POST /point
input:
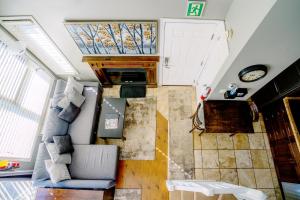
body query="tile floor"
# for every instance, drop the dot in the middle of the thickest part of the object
(244, 159)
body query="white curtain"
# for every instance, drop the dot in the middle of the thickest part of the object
(24, 89)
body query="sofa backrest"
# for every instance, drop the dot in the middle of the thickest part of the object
(82, 129)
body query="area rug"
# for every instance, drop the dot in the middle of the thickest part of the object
(181, 156)
(128, 194)
(139, 130)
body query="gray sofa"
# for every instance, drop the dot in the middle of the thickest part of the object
(93, 166)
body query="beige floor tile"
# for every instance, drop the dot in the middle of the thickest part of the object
(278, 194)
(259, 159)
(263, 178)
(241, 141)
(229, 176)
(197, 141)
(256, 141)
(262, 123)
(227, 159)
(274, 178)
(224, 141)
(115, 91)
(209, 141)
(199, 174)
(198, 158)
(257, 127)
(211, 174)
(246, 177)
(210, 159)
(266, 140)
(270, 193)
(270, 158)
(243, 159)
(106, 92)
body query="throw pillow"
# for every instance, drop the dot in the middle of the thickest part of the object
(72, 83)
(56, 157)
(57, 171)
(74, 97)
(69, 113)
(63, 144)
(53, 125)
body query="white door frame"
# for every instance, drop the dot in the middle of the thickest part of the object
(162, 26)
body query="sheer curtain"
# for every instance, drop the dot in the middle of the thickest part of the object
(24, 90)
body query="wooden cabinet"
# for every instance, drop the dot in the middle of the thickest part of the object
(282, 142)
(106, 68)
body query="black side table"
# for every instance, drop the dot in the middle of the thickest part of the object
(111, 122)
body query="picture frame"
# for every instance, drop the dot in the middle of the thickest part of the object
(115, 37)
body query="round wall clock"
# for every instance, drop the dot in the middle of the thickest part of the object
(253, 73)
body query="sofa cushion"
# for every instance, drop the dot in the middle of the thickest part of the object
(40, 173)
(57, 171)
(77, 184)
(94, 162)
(73, 84)
(53, 125)
(81, 129)
(69, 113)
(56, 157)
(58, 92)
(63, 144)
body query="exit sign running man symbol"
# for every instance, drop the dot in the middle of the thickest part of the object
(195, 8)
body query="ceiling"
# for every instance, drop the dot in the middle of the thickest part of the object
(51, 15)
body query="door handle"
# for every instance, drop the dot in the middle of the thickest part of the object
(166, 61)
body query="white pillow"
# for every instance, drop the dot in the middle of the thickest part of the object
(73, 84)
(56, 157)
(57, 171)
(74, 97)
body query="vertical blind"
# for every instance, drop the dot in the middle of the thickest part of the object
(24, 89)
(17, 190)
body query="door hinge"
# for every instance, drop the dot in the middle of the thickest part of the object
(212, 36)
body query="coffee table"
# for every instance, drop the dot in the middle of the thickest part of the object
(69, 194)
(111, 122)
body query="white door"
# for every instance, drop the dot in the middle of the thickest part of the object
(214, 61)
(185, 47)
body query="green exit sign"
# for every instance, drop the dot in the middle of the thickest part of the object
(195, 8)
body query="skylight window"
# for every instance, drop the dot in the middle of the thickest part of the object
(27, 30)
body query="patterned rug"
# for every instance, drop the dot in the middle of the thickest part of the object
(139, 130)
(128, 194)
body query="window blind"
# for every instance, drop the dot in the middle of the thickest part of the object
(24, 89)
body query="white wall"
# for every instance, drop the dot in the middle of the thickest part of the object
(275, 42)
(51, 14)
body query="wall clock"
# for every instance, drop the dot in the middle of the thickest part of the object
(253, 73)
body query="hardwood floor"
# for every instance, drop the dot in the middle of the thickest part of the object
(149, 175)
